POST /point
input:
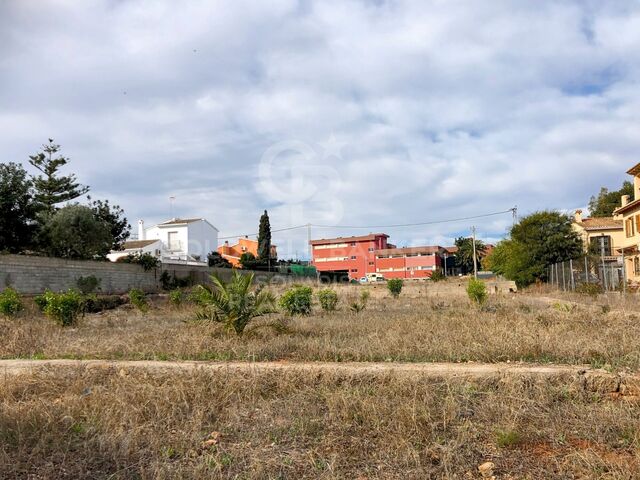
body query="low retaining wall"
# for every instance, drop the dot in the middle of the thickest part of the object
(33, 275)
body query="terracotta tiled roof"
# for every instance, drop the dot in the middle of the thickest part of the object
(406, 250)
(598, 223)
(362, 238)
(451, 249)
(133, 244)
(635, 170)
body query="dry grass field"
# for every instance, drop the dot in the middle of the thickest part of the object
(417, 327)
(106, 423)
(111, 422)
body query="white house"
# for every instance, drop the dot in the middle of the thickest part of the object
(179, 240)
(137, 247)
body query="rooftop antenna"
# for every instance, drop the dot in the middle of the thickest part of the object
(171, 199)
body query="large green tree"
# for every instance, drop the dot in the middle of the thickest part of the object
(113, 216)
(606, 202)
(264, 238)
(464, 257)
(52, 188)
(74, 231)
(17, 209)
(537, 241)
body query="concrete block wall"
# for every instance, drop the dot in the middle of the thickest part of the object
(33, 275)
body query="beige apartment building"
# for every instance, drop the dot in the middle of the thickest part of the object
(629, 212)
(601, 233)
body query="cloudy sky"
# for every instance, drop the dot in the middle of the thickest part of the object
(358, 113)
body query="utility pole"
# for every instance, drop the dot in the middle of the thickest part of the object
(171, 199)
(309, 241)
(475, 258)
(514, 210)
(604, 271)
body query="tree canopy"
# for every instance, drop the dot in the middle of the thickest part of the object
(114, 217)
(75, 232)
(17, 207)
(537, 241)
(606, 202)
(464, 257)
(264, 238)
(28, 205)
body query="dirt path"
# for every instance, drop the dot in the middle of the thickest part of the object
(577, 376)
(428, 369)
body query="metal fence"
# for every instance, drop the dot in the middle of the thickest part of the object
(606, 272)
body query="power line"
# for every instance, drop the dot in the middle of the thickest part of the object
(255, 234)
(511, 210)
(434, 222)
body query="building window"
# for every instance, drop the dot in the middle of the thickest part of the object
(629, 227)
(353, 257)
(371, 249)
(370, 263)
(174, 243)
(353, 270)
(636, 265)
(597, 244)
(353, 244)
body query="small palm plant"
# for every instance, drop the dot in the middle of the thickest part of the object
(233, 303)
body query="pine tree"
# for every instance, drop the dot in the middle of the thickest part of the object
(51, 188)
(264, 238)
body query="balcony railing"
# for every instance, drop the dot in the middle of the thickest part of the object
(175, 246)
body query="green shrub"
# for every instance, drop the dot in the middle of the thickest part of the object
(138, 300)
(328, 299)
(64, 308)
(438, 276)
(395, 286)
(176, 297)
(10, 302)
(297, 300)
(563, 307)
(171, 282)
(89, 284)
(590, 289)
(41, 302)
(95, 304)
(477, 291)
(145, 260)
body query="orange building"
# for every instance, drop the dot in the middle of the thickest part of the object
(245, 245)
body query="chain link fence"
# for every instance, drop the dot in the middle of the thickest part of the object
(608, 273)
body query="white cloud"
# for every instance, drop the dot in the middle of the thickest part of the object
(445, 109)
